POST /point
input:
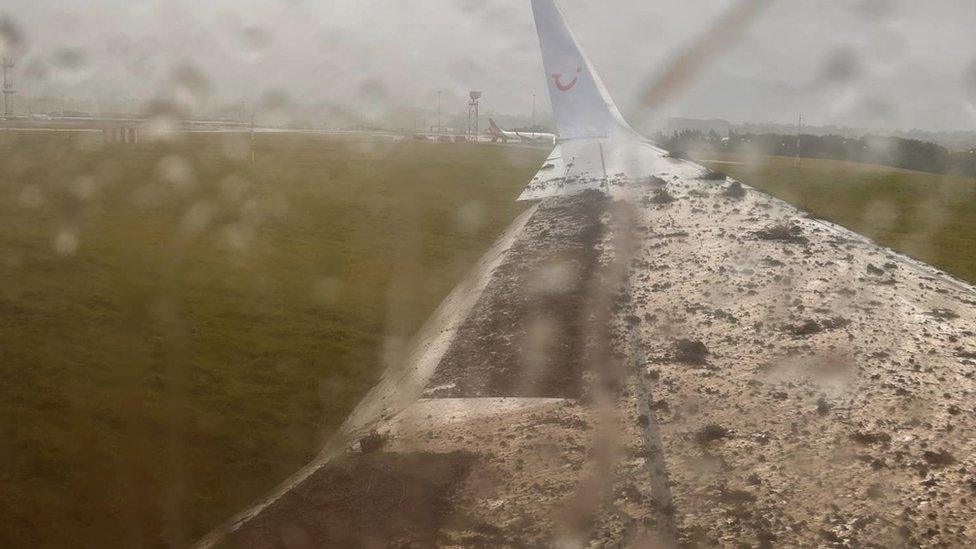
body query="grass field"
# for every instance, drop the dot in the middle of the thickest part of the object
(926, 216)
(180, 329)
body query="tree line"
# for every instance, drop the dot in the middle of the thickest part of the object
(896, 152)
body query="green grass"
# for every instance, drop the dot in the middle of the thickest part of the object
(926, 216)
(181, 329)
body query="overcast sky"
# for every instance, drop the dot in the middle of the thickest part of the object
(871, 63)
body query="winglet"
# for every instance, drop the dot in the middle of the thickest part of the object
(596, 149)
(580, 102)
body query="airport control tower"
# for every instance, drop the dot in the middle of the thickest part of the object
(473, 114)
(7, 64)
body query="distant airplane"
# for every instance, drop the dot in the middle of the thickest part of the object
(497, 134)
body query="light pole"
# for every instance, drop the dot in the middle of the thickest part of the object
(439, 93)
(533, 113)
(799, 133)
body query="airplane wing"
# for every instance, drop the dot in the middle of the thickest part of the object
(649, 359)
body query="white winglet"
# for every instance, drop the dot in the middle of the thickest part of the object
(596, 149)
(580, 102)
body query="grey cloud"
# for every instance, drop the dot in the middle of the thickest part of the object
(326, 51)
(11, 37)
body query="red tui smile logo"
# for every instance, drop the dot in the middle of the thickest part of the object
(566, 87)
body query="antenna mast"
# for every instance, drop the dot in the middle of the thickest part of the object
(474, 114)
(7, 63)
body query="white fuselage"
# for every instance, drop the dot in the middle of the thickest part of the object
(547, 138)
(527, 137)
